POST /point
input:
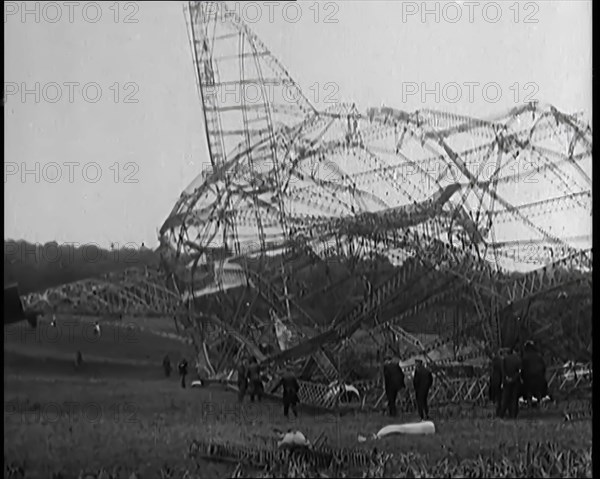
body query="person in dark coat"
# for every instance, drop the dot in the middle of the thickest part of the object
(422, 381)
(367, 287)
(533, 374)
(182, 367)
(242, 379)
(393, 379)
(255, 385)
(495, 386)
(78, 360)
(290, 392)
(167, 365)
(511, 384)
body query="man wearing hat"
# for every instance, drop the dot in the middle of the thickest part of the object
(290, 391)
(255, 385)
(533, 374)
(422, 381)
(511, 384)
(496, 375)
(393, 379)
(242, 379)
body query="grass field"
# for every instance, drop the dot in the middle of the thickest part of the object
(119, 409)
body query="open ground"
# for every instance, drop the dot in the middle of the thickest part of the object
(120, 410)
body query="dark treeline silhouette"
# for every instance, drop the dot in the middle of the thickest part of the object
(36, 267)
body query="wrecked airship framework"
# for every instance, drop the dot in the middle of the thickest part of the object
(318, 236)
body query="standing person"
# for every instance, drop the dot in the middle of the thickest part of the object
(96, 329)
(368, 288)
(290, 392)
(182, 366)
(495, 386)
(78, 359)
(393, 379)
(533, 375)
(167, 365)
(242, 379)
(511, 384)
(422, 381)
(255, 386)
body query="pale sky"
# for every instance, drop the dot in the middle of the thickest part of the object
(371, 55)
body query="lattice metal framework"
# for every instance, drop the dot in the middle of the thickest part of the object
(452, 202)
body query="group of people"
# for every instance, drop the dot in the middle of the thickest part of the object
(182, 368)
(250, 380)
(394, 382)
(513, 375)
(517, 374)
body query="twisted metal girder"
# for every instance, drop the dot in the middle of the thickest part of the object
(380, 194)
(133, 293)
(412, 187)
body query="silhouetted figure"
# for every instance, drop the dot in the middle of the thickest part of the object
(167, 365)
(255, 385)
(290, 392)
(96, 329)
(78, 360)
(53, 322)
(368, 288)
(393, 379)
(511, 384)
(422, 381)
(242, 379)
(533, 375)
(182, 367)
(495, 384)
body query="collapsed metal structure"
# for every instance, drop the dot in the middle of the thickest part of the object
(433, 211)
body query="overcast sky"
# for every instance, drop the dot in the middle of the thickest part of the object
(371, 54)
